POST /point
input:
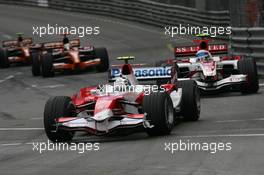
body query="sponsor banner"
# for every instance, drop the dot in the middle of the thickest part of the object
(144, 73)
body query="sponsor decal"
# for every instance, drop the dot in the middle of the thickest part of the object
(212, 48)
(145, 73)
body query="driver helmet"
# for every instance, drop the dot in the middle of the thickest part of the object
(19, 39)
(67, 46)
(120, 84)
(203, 55)
(66, 43)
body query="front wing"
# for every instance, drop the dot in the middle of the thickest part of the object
(229, 81)
(106, 126)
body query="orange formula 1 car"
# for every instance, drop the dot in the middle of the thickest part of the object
(17, 51)
(68, 55)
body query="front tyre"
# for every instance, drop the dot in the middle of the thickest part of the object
(56, 107)
(47, 65)
(103, 55)
(247, 66)
(160, 113)
(4, 61)
(36, 64)
(190, 103)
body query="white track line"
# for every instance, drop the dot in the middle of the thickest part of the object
(189, 136)
(20, 129)
(262, 84)
(11, 144)
(52, 86)
(36, 118)
(7, 78)
(16, 144)
(47, 86)
(223, 135)
(29, 143)
(230, 121)
(10, 77)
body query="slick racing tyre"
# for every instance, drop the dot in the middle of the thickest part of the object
(103, 55)
(36, 64)
(160, 113)
(190, 103)
(4, 61)
(160, 82)
(47, 65)
(60, 106)
(247, 66)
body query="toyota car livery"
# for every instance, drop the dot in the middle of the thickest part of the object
(123, 106)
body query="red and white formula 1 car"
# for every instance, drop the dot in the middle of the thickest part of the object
(212, 68)
(124, 105)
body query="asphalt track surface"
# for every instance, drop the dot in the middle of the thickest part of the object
(228, 117)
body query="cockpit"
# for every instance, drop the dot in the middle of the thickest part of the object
(203, 56)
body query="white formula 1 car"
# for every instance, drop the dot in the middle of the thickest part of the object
(212, 68)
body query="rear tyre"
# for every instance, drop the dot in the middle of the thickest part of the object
(36, 64)
(247, 66)
(4, 61)
(190, 103)
(160, 113)
(56, 107)
(103, 55)
(47, 65)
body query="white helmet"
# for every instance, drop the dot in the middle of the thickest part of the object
(67, 46)
(121, 84)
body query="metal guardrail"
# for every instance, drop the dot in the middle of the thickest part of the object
(144, 11)
(244, 41)
(250, 43)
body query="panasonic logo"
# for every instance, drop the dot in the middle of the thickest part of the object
(146, 73)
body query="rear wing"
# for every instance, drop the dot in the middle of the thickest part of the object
(142, 73)
(53, 45)
(75, 43)
(191, 50)
(14, 43)
(59, 44)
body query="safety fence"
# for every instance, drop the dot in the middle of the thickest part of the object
(250, 43)
(244, 41)
(144, 11)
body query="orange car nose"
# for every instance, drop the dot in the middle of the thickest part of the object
(75, 56)
(26, 52)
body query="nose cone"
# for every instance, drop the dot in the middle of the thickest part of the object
(26, 52)
(103, 108)
(209, 69)
(75, 56)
